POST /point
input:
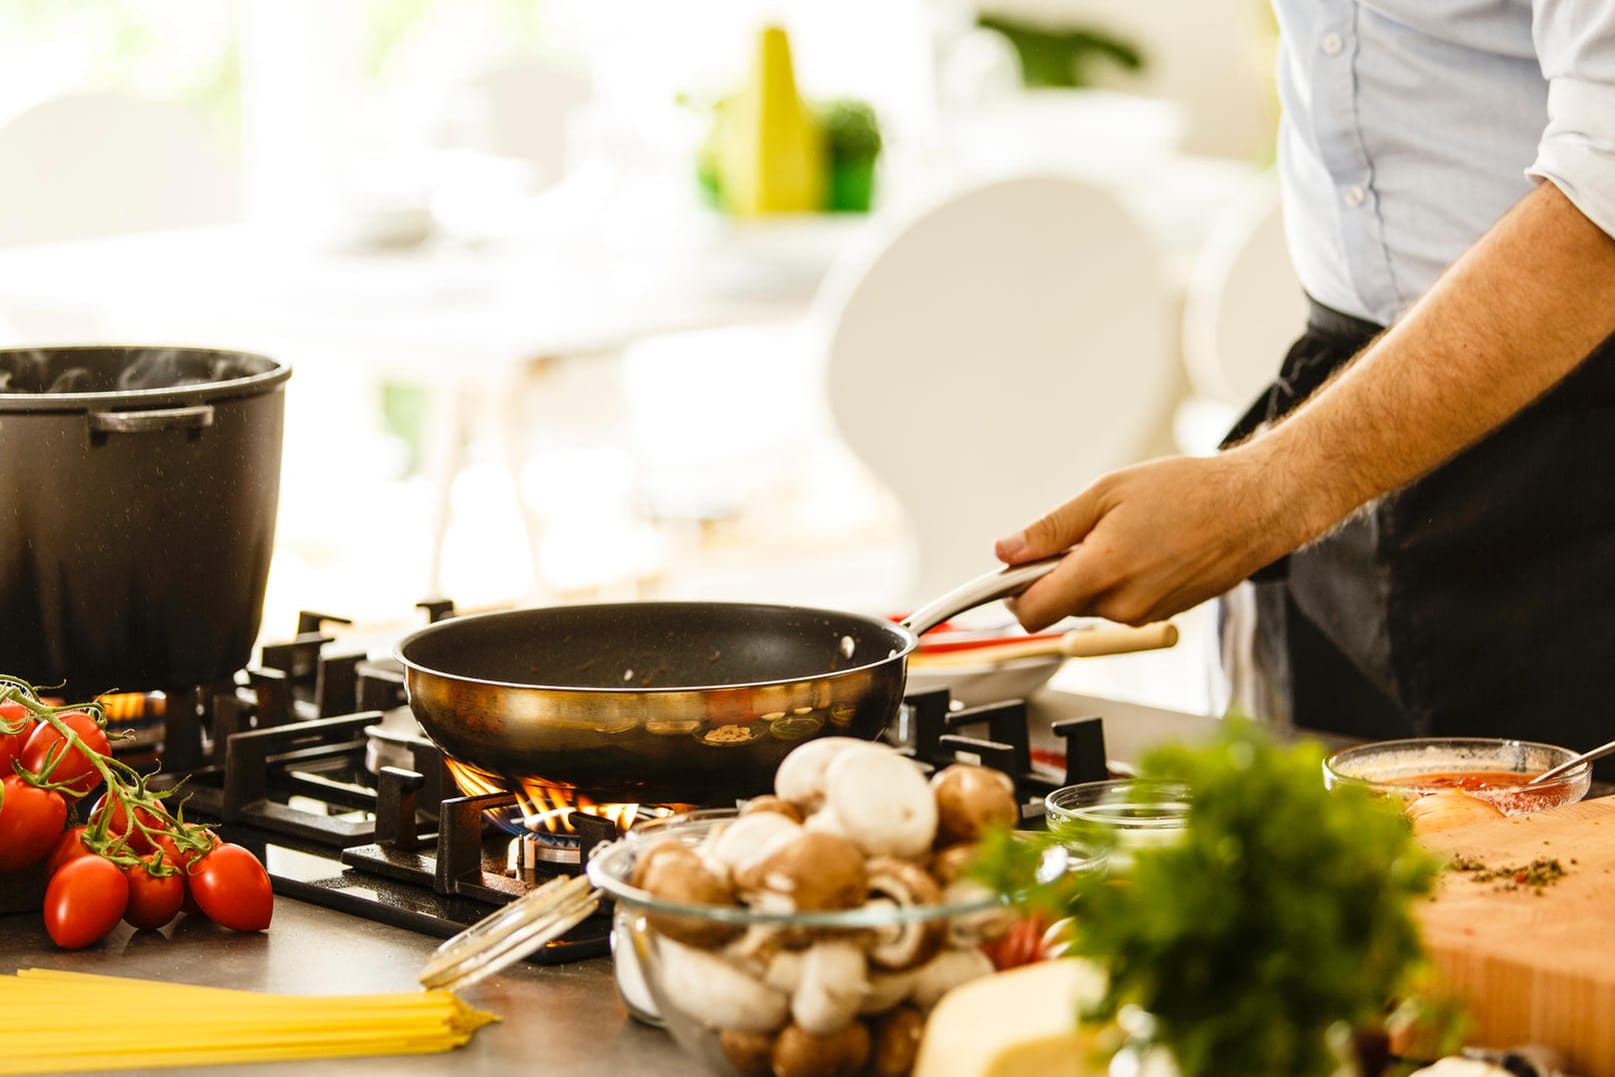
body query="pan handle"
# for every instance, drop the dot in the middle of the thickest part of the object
(1000, 583)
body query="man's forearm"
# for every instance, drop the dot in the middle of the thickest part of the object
(1511, 318)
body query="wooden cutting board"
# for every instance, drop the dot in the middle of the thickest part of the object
(1535, 968)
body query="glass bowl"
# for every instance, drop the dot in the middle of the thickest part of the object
(735, 976)
(1133, 813)
(1492, 769)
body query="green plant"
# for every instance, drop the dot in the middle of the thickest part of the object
(851, 130)
(1062, 57)
(1277, 927)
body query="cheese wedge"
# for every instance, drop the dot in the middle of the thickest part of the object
(1019, 1023)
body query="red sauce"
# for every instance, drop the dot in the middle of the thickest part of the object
(1469, 780)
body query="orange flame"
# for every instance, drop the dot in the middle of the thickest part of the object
(543, 805)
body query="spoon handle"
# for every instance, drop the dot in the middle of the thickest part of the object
(1571, 764)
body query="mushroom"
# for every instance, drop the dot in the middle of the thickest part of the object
(971, 799)
(748, 835)
(770, 803)
(833, 985)
(805, 872)
(800, 777)
(750, 1053)
(946, 971)
(881, 800)
(986, 923)
(716, 993)
(886, 989)
(784, 970)
(950, 862)
(676, 873)
(896, 1042)
(903, 944)
(799, 1053)
(826, 822)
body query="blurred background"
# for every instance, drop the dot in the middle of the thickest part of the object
(800, 301)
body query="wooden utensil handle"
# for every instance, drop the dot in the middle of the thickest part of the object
(1077, 643)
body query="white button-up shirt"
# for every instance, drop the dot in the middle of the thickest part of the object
(1410, 126)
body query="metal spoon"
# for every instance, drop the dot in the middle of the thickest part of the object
(1571, 764)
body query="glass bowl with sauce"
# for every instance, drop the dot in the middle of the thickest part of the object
(1492, 769)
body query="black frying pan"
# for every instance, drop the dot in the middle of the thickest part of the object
(664, 702)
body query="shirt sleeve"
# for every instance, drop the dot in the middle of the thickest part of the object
(1575, 45)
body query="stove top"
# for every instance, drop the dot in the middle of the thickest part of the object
(313, 761)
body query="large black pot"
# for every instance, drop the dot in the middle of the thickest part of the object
(138, 489)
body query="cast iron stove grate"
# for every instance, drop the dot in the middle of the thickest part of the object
(296, 764)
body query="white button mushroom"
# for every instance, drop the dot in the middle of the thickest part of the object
(716, 993)
(744, 838)
(946, 971)
(800, 777)
(833, 985)
(882, 801)
(886, 989)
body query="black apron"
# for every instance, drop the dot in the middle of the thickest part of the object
(1478, 601)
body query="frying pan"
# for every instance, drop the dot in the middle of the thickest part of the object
(665, 702)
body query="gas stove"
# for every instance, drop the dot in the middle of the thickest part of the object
(313, 761)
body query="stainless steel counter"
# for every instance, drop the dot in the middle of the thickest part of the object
(563, 1019)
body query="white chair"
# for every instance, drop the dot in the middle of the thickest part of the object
(1242, 308)
(998, 353)
(91, 164)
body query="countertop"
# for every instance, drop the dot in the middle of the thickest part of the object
(563, 1019)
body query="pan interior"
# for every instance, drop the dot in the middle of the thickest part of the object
(646, 646)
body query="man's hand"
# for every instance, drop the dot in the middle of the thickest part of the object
(1153, 540)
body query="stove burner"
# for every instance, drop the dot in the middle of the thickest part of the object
(314, 762)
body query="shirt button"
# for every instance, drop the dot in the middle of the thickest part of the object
(1355, 195)
(1332, 44)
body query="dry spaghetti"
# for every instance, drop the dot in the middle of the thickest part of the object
(181, 1025)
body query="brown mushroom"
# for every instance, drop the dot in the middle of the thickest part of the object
(750, 1053)
(676, 872)
(904, 944)
(951, 861)
(799, 1053)
(768, 802)
(970, 800)
(896, 1042)
(807, 872)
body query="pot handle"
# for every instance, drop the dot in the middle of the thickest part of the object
(1000, 583)
(196, 417)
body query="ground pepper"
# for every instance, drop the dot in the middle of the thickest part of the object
(1537, 876)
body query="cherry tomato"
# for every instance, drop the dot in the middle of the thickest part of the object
(153, 899)
(30, 822)
(84, 901)
(1022, 944)
(70, 846)
(139, 843)
(11, 744)
(232, 888)
(45, 742)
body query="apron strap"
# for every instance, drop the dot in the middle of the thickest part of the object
(1330, 341)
